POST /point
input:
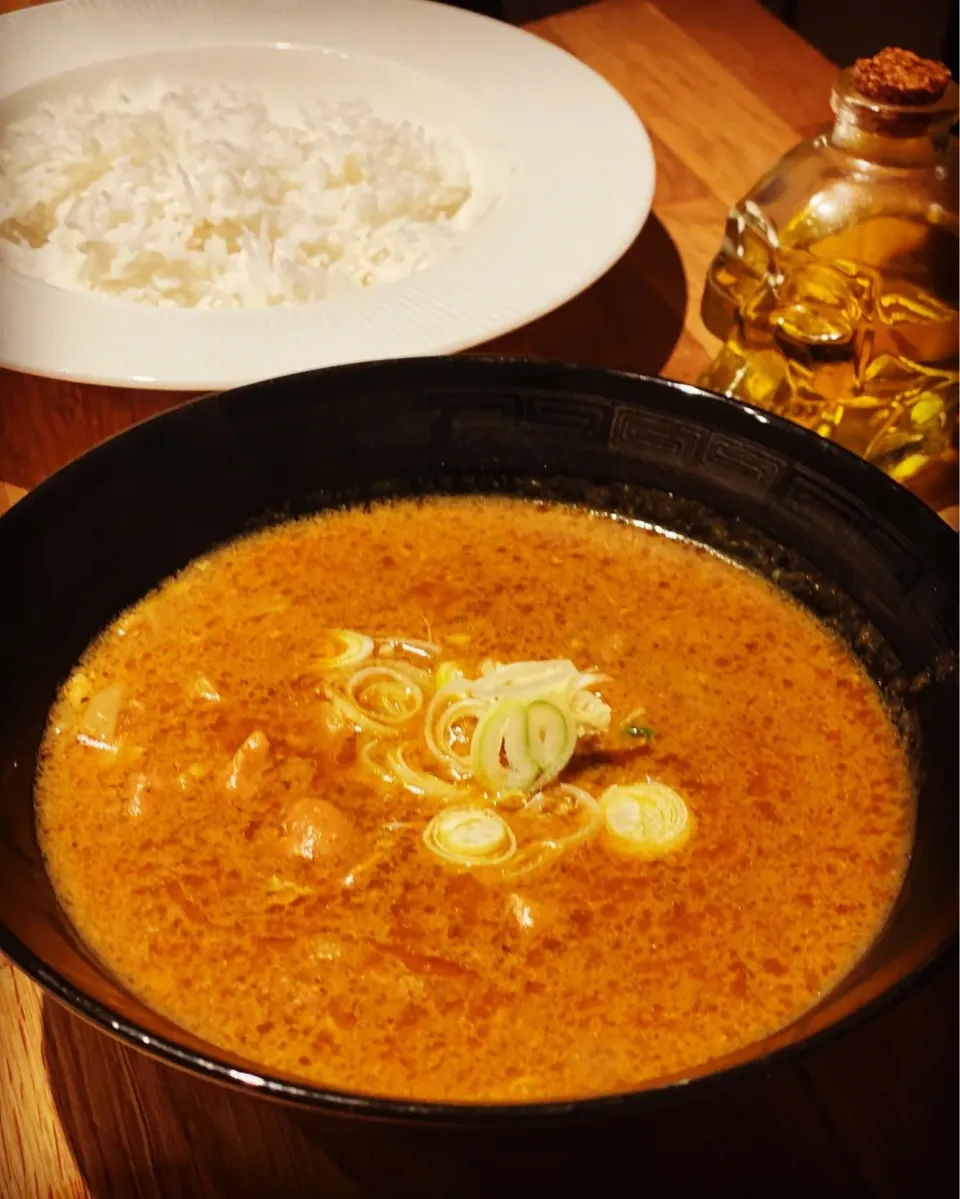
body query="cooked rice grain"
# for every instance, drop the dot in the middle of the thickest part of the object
(200, 196)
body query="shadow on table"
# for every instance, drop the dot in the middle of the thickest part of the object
(624, 321)
(631, 319)
(140, 1129)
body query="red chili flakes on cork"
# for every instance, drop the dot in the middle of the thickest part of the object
(900, 77)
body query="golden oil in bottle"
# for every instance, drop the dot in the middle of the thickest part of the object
(836, 285)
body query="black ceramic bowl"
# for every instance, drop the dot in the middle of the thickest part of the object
(859, 551)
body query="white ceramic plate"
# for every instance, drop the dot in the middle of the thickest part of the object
(561, 166)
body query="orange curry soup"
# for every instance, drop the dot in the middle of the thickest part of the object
(306, 800)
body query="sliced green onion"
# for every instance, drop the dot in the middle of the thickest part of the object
(448, 673)
(398, 669)
(501, 755)
(551, 737)
(528, 717)
(590, 712)
(591, 679)
(525, 680)
(353, 715)
(444, 712)
(396, 770)
(420, 782)
(518, 745)
(582, 800)
(408, 645)
(470, 836)
(645, 820)
(447, 736)
(369, 755)
(386, 693)
(557, 680)
(356, 648)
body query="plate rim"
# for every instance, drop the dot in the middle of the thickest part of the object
(58, 334)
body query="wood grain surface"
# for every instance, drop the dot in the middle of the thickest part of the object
(723, 89)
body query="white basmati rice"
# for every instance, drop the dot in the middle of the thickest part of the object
(201, 196)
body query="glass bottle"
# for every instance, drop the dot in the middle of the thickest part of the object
(835, 287)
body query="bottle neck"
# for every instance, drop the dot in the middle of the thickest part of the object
(891, 134)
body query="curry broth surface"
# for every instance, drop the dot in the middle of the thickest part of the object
(411, 978)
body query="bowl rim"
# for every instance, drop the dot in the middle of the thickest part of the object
(811, 450)
(386, 1109)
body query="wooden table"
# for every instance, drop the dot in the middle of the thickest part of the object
(723, 89)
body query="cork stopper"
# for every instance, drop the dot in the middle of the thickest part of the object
(900, 77)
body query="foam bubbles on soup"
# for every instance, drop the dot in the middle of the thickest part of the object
(216, 831)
